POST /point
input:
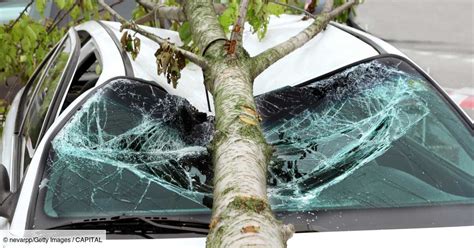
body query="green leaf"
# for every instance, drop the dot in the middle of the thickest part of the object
(138, 12)
(258, 5)
(75, 12)
(12, 51)
(8, 59)
(3, 78)
(16, 33)
(228, 17)
(69, 4)
(87, 15)
(25, 43)
(274, 9)
(40, 5)
(185, 33)
(23, 22)
(106, 16)
(98, 69)
(31, 34)
(88, 5)
(60, 3)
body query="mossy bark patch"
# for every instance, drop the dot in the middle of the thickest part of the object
(250, 203)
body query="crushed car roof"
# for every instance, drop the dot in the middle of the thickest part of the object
(330, 50)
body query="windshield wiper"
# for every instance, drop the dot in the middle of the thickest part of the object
(135, 224)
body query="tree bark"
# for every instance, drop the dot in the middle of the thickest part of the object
(241, 213)
(242, 216)
(205, 26)
(162, 11)
(171, 13)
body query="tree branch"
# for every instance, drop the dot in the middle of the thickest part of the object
(170, 13)
(237, 30)
(328, 6)
(56, 22)
(337, 11)
(196, 59)
(267, 58)
(162, 11)
(205, 27)
(19, 16)
(294, 7)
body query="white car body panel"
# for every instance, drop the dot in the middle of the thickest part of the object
(112, 65)
(7, 135)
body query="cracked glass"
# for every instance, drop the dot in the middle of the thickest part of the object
(374, 135)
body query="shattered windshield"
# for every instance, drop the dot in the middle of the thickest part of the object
(374, 135)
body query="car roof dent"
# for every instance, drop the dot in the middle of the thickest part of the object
(334, 48)
(330, 50)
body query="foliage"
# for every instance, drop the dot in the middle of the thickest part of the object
(3, 112)
(258, 15)
(344, 17)
(130, 44)
(24, 42)
(169, 62)
(3, 107)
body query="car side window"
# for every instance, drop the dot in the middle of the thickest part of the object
(88, 70)
(41, 99)
(36, 78)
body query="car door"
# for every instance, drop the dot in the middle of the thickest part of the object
(44, 98)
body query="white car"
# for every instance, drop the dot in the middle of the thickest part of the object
(364, 140)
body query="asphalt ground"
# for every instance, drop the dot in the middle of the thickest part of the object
(438, 35)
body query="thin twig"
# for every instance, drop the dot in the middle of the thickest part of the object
(237, 30)
(21, 14)
(102, 9)
(57, 16)
(50, 28)
(198, 60)
(147, 13)
(295, 8)
(164, 12)
(147, 5)
(337, 11)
